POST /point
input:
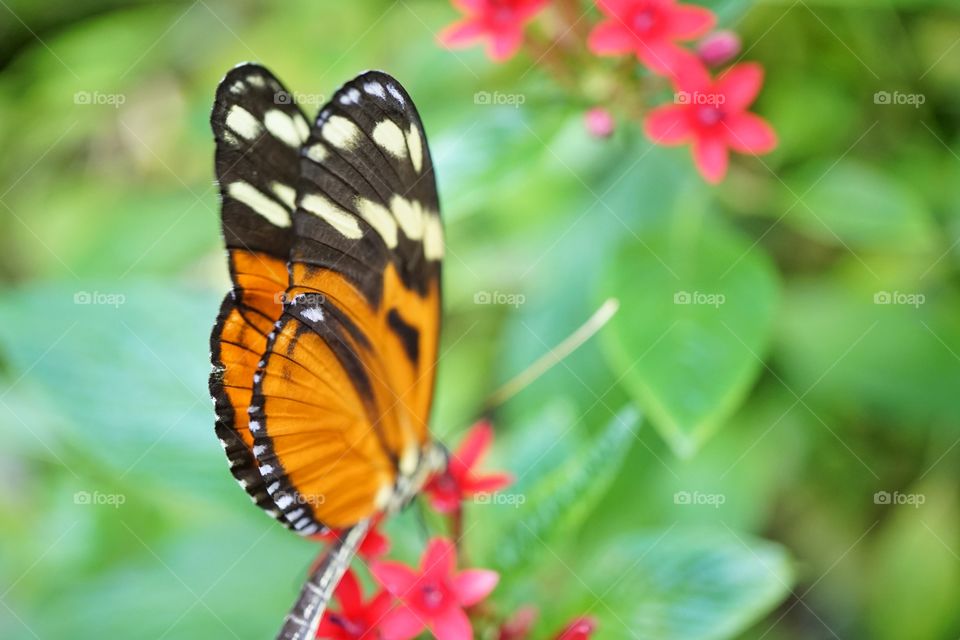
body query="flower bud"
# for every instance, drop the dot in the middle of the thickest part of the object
(718, 48)
(599, 122)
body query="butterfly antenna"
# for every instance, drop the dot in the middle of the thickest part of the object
(556, 355)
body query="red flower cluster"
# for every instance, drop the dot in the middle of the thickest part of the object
(708, 113)
(436, 595)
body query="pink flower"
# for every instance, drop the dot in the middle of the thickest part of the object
(519, 625)
(599, 122)
(434, 597)
(579, 629)
(501, 21)
(718, 48)
(460, 481)
(712, 115)
(650, 29)
(356, 619)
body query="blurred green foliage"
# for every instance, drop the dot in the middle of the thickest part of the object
(715, 469)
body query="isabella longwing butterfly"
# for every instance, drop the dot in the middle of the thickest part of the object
(324, 350)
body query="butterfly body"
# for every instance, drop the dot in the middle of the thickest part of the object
(324, 351)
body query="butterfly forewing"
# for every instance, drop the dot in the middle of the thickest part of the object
(323, 393)
(257, 165)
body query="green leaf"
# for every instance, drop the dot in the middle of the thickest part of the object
(685, 584)
(550, 502)
(697, 304)
(854, 205)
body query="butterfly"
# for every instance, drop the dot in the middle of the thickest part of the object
(324, 350)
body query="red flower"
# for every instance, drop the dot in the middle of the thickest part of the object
(712, 114)
(650, 29)
(579, 629)
(518, 626)
(501, 21)
(434, 597)
(460, 482)
(356, 619)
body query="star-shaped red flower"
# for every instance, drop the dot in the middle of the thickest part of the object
(712, 115)
(435, 596)
(650, 29)
(499, 21)
(461, 481)
(355, 619)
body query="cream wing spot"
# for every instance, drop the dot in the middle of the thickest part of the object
(415, 143)
(259, 202)
(285, 193)
(409, 215)
(390, 138)
(283, 127)
(340, 132)
(433, 238)
(375, 89)
(303, 129)
(336, 217)
(380, 218)
(317, 152)
(243, 123)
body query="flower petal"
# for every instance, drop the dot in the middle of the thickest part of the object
(616, 8)
(505, 43)
(378, 607)
(328, 628)
(401, 623)
(439, 560)
(444, 501)
(461, 34)
(711, 156)
(487, 483)
(689, 21)
(749, 133)
(611, 38)
(668, 125)
(666, 58)
(473, 585)
(740, 85)
(396, 578)
(451, 624)
(478, 440)
(349, 595)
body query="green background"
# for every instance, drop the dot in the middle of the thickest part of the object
(780, 413)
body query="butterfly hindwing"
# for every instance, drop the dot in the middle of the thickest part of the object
(258, 132)
(342, 399)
